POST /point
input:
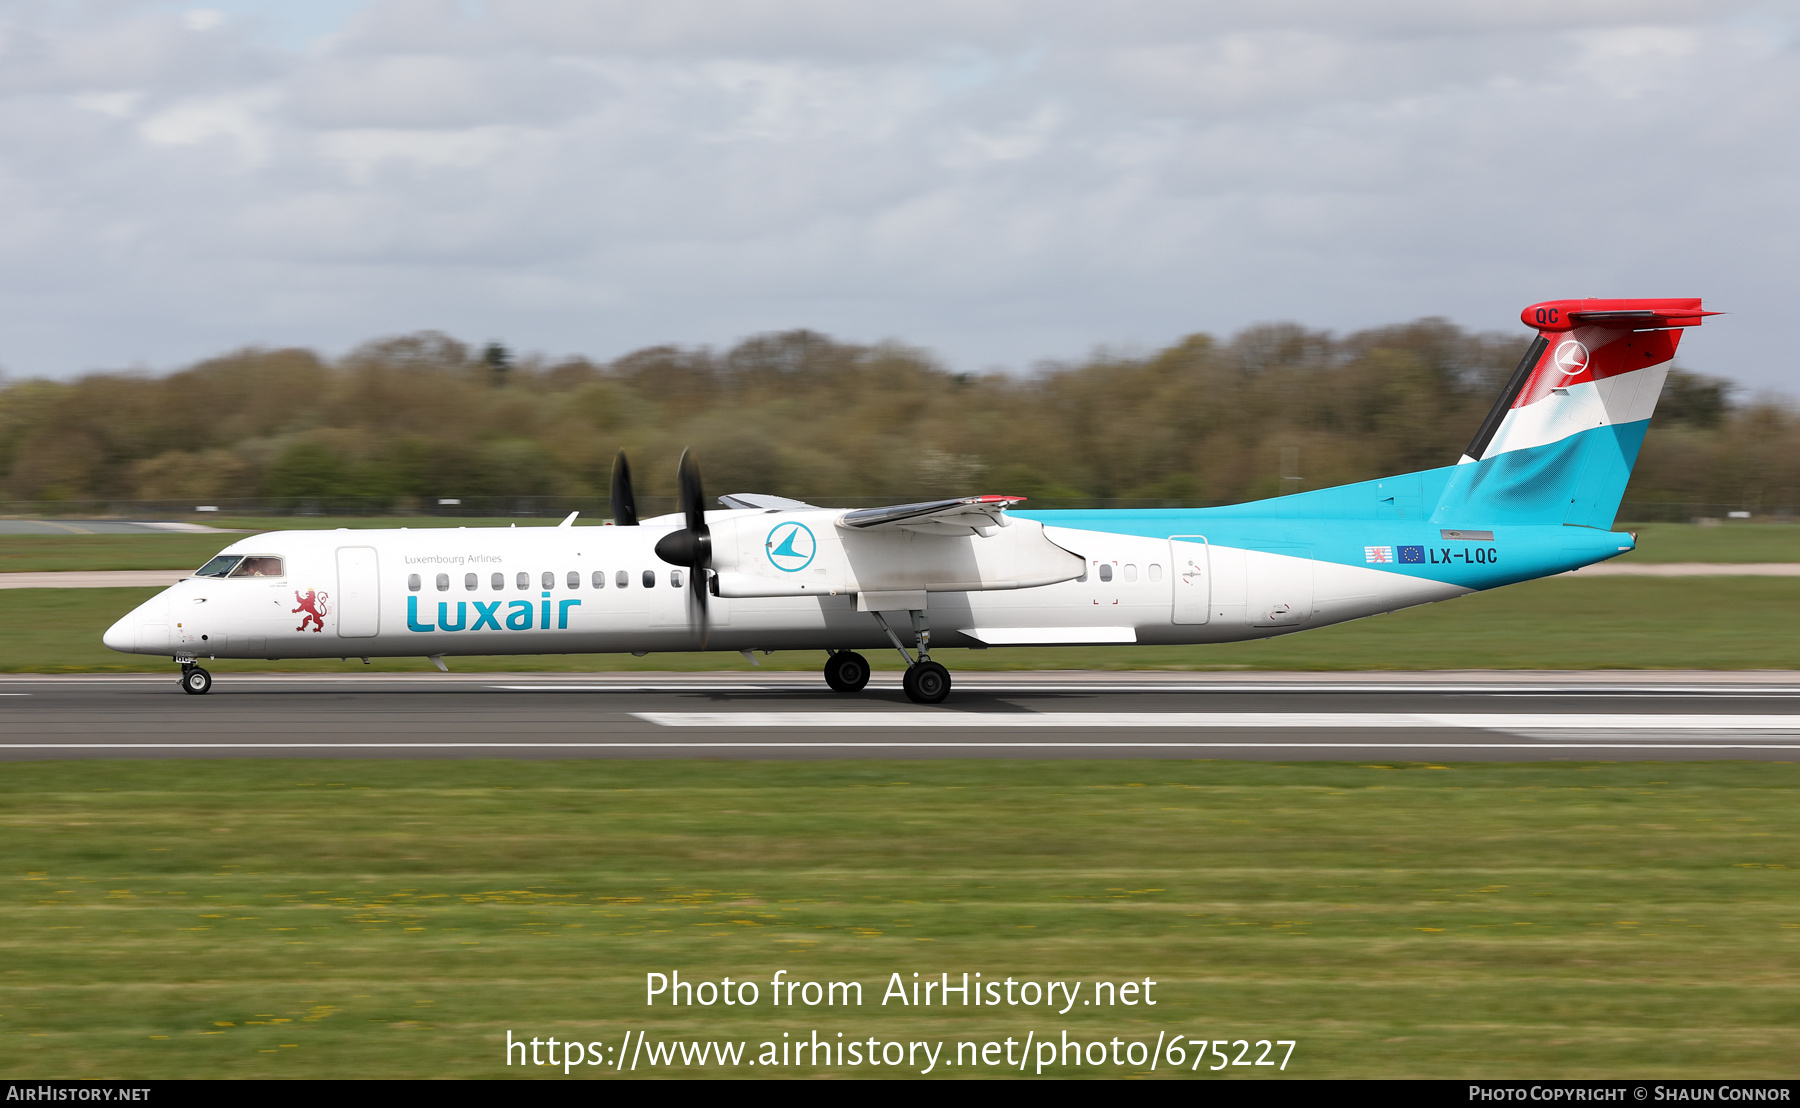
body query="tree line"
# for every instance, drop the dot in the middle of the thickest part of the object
(410, 420)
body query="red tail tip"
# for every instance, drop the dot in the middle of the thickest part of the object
(1633, 315)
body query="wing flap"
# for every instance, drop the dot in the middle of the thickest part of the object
(762, 500)
(978, 514)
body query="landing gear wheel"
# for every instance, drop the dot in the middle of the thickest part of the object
(847, 671)
(927, 683)
(196, 681)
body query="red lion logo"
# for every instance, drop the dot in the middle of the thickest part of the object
(313, 604)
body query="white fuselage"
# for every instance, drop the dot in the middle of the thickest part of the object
(566, 590)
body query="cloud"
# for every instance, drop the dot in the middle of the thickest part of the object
(999, 181)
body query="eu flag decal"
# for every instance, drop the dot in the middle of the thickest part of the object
(1412, 555)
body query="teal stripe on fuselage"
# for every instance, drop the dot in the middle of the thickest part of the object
(1522, 496)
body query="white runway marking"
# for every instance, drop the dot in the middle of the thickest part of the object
(829, 744)
(1710, 691)
(1546, 725)
(1499, 686)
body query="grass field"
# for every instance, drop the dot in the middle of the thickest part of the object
(1564, 623)
(371, 919)
(1658, 542)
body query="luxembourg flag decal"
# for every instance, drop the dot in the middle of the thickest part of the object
(1375, 555)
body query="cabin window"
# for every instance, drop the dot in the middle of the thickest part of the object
(443, 582)
(599, 579)
(1130, 572)
(1155, 572)
(574, 579)
(549, 579)
(524, 580)
(412, 582)
(497, 581)
(649, 579)
(622, 579)
(1105, 572)
(218, 567)
(674, 579)
(258, 565)
(471, 581)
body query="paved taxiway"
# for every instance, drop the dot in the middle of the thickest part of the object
(1412, 717)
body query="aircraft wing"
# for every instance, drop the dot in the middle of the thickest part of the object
(977, 514)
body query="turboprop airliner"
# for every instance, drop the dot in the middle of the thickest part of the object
(1534, 494)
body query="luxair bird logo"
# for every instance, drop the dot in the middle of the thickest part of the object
(313, 604)
(791, 547)
(1571, 358)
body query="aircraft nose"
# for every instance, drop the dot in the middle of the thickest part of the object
(122, 636)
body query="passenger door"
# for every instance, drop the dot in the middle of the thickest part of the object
(1192, 579)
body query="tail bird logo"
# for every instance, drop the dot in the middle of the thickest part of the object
(1571, 358)
(313, 604)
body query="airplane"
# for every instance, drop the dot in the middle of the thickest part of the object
(1535, 494)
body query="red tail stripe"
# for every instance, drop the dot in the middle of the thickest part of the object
(1565, 315)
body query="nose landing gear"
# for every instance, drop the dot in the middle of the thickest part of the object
(194, 680)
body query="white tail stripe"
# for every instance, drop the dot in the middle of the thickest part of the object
(1609, 402)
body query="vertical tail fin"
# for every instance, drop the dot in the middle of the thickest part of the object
(1559, 444)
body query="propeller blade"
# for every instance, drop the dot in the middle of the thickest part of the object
(624, 504)
(693, 501)
(692, 545)
(697, 614)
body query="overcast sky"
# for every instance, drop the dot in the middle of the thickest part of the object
(999, 182)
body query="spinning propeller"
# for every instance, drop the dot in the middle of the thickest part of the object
(691, 547)
(624, 505)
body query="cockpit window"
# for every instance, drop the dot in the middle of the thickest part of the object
(219, 566)
(258, 565)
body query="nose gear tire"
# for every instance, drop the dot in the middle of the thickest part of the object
(196, 681)
(927, 683)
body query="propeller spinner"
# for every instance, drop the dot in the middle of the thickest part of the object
(691, 547)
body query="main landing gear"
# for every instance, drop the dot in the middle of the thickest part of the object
(846, 671)
(925, 682)
(195, 680)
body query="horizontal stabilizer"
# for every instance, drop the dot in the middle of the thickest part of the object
(1628, 315)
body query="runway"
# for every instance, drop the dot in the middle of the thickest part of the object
(1274, 717)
